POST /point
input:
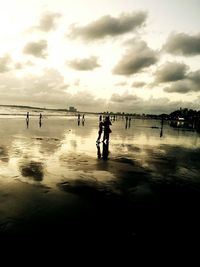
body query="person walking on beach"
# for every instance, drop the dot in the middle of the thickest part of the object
(107, 129)
(101, 125)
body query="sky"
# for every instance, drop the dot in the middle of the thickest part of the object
(136, 56)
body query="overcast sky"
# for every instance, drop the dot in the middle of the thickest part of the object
(104, 55)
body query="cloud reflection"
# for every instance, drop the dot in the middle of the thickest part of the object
(33, 170)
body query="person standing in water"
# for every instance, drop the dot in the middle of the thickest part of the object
(101, 125)
(107, 129)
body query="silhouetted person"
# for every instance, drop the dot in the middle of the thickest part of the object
(79, 118)
(100, 118)
(27, 119)
(126, 124)
(101, 125)
(107, 129)
(83, 119)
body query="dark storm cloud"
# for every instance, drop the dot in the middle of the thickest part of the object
(136, 58)
(5, 62)
(84, 64)
(171, 71)
(190, 84)
(138, 84)
(181, 87)
(48, 21)
(37, 49)
(195, 77)
(183, 44)
(109, 26)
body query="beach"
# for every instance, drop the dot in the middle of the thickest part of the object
(55, 182)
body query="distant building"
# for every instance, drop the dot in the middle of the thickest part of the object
(72, 109)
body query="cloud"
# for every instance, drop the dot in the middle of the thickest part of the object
(37, 49)
(50, 90)
(136, 58)
(134, 104)
(5, 62)
(46, 90)
(124, 98)
(48, 21)
(84, 64)
(183, 44)
(189, 84)
(138, 84)
(181, 87)
(109, 26)
(123, 83)
(170, 72)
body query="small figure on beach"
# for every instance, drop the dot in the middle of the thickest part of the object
(101, 125)
(126, 125)
(83, 119)
(79, 119)
(27, 119)
(107, 129)
(40, 120)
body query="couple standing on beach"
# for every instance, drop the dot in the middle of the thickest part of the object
(104, 126)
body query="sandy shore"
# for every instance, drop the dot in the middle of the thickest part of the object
(53, 184)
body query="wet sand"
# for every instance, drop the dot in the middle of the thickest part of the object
(55, 183)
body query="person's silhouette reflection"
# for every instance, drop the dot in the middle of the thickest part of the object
(161, 131)
(27, 122)
(126, 125)
(105, 152)
(40, 123)
(79, 119)
(27, 119)
(161, 128)
(98, 151)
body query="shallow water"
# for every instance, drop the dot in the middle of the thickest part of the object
(54, 172)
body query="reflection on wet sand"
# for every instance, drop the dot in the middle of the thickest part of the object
(105, 150)
(132, 194)
(4, 154)
(32, 170)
